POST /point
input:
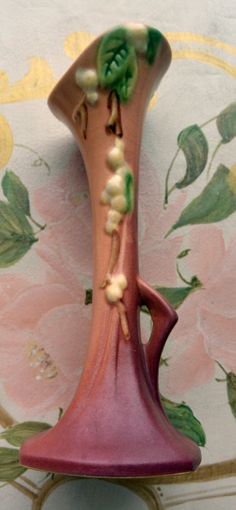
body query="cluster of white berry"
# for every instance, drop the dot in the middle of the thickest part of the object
(114, 192)
(115, 288)
(87, 80)
(138, 34)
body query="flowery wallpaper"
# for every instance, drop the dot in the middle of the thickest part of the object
(187, 246)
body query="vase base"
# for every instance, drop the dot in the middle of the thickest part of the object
(73, 465)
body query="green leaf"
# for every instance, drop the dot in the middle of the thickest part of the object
(88, 296)
(193, 143)
(15, 191)
(226, 123)
(17, 434)
(215, 203)
(183, 419)
(10, 468)
(126, 84)
(183, 253)
(115, 53)
(154, 39)
(129, 191)
(231, 391)
(16, 235)
(175, 295)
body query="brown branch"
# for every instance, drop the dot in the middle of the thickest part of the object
(6, 419)
(123, 319)
(115, 250)
(80, 113)
(113, 124)
(23, 490)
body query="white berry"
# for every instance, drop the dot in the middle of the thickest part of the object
(119, 203)
(92, 97)
(110, 227)
(114, 216)
(113, 293)
(121, 281)
(115, 158)
(105, 199)
(115, 185)
(138, 34)
(86, 78)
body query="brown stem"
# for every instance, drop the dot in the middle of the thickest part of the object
(115, 250)
(5, 419)
(113, 124)
(29, 482)
(80, 113)
(123, 319)
(23, 490)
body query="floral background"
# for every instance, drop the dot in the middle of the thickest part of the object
(187, 243)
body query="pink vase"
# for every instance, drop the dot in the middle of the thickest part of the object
(115, 425)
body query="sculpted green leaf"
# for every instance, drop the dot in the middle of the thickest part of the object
(115, 53)
(226, 123)
(183, 419)
(15, 191)
(193, 143)
(16, 235)
(126, 84)
(10, 468)
(17, 434)
(129, 191)
(231, 391)
(215, 203)
(154, 39)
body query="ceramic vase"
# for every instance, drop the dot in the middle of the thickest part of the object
(115, 425)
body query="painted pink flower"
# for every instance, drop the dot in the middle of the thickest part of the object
(43, 338)
(207, 319)
(44, 328)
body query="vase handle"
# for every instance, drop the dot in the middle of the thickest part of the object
(164, 317)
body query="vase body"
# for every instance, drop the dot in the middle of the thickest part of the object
(115, 425)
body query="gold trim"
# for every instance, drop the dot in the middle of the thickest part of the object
(175, 37)
(205, 58)
(147, 493)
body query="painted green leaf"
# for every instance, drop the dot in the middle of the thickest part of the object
(154, 39)
(183, 253)
(226, 123)
(193, 143)
(215, 203)
(126, 84)
(129, 191)
(231, 391)
(15, 191)
(114, 56)
(10, 468)
(88, 296)
(16, 235)
(183, 419)
(175, 295)
(17, 434)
